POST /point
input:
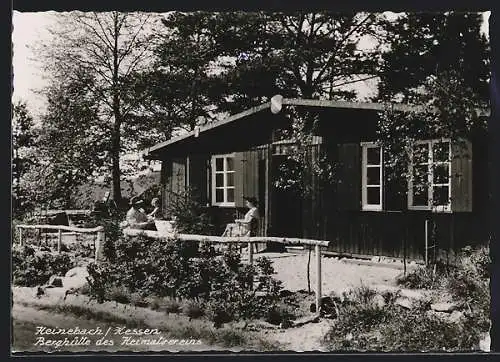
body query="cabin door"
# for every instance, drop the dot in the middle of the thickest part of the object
(286, 205)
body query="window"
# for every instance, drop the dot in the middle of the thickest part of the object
(371, 191)
(223, 180)
(430, 176)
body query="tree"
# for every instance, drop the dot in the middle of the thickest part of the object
(424, 45)
(225, 62)
(103, 49)
(74, 143)
(301, 54)
(24, 137)
(438, 61)
(183, 86)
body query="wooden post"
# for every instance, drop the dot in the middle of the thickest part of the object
(59, 240)
(99, 245)
(20, 231)
(426, 242)
(318, 279)
(250, 253)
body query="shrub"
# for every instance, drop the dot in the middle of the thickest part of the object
(192, 309)
(118, 293)
(280, 313)
(364, 326)
(171, 306)
(420, 278)
(30, 268)
(169, 268)
(190, 214)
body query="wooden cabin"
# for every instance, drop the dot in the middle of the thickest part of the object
(364, 214)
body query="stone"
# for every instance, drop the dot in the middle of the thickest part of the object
(485, 343)
(444, 307)
(412, 294)
(81, 271)
(456, 316)
(379, 301)
(404, 302)
(76, 278)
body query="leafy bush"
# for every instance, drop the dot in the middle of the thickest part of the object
(280, 313)
(172, 306)
(177, 270)
(362, 325)
(193, 309)
(367, 327)
(420, 278)
(190, 214)
(30, 268)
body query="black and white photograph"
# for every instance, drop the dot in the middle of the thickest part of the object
(250, 181)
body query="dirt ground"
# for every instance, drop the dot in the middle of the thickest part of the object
(337, 276)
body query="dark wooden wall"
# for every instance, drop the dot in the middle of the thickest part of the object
(333, 212)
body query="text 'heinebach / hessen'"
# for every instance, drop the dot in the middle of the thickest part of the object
(71, 331)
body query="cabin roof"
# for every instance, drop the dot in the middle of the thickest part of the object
(151, 151)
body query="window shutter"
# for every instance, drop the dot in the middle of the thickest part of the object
(178, 175)
(166, 182)
(198, 177)
(239, 161)
(349, 183)
(250, 174)
(461, 176)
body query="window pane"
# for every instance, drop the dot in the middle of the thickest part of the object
(420, 153)
(441, 152)
(219, 164)
(441, 174)
(373, 176)
(420, 195)
(420, 175)
(230, 195)
(219, 179)
(230, 179)
(229, 164)
(219, 195)
(440, 195)
(373, 155)
(373, 195)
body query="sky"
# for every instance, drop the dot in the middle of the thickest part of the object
(30, 28)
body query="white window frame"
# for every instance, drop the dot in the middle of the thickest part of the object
(224, 203)
(430, 178)
(364, 177)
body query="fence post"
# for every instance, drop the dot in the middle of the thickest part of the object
(250, 253)
(318, 279)
(99, 244)
(59, 240)
(426, 241)
(20, 231)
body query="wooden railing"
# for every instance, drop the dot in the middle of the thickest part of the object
(250, 240)
(99, 242)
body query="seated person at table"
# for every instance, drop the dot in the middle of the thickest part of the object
(156, 213)
(136, 218)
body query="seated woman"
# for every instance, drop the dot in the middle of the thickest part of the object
(247, 226)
